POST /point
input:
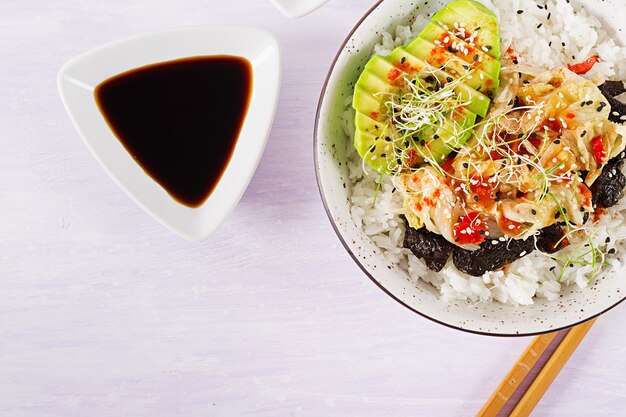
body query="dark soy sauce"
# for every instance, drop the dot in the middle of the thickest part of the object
(180, 120)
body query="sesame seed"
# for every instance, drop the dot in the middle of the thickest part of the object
(520, 11)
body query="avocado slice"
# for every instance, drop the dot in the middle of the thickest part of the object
(475, 20)
(377, 140)
(458, 47)
(478, 102)
(438, 57)
(364, 102)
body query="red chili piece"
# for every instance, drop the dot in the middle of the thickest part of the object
(584, 67)
(470, 229)
(599, 153)
(447, 165)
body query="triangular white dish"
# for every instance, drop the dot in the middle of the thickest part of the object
(298, 8)
(79, 77)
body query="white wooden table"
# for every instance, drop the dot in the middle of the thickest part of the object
(103, 312)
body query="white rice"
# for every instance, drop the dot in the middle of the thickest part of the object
(539, 42)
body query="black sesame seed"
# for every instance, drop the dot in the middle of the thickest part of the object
(534, 212)
(599, 166)
(465, 165)
(583, 104)
(612, 251)
(457, 240)
(449, 79)
(564, 211)
(557, 215)
(571, 265)
(539, 25)
(403, 60)
(550, 43)
(388, 139)
(373, 148)
(422, 143)
(515, 61)
(582, 209)
(540, 6)
(452, 50)
(511, 102)
(608, 239)
(482, 232)
(599, 109)
(525, 82)
(563, 44)
(549, 14)
(520, 11)
(477, 29)
(556, 142)
(476, 198)
(521, 135)
(435, 136)
(589, 103)
(552, 268)
(489, 47)
(582, 135)
(383, 155)
(475, 57)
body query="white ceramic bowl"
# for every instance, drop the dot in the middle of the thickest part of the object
(78, 78)
(297, 8)
(575, 306)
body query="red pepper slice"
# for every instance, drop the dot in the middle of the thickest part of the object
(447, 165)
(411, 157)
(599, 153)
(481, 190)
(470, 229)
(510, 227)
(554, 125)
(584, 67)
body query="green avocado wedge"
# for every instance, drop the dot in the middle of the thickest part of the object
(421, 75)
(469, 18)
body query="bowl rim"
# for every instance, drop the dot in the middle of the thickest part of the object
(356, 259)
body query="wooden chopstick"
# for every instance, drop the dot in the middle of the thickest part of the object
(516, 375)
(552, 368)
(544, 379)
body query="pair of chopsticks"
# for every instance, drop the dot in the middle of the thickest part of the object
(544, 379)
